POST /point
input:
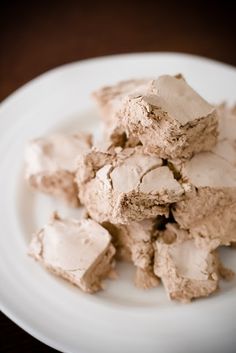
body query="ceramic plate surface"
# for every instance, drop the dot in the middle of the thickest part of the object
(121, 318)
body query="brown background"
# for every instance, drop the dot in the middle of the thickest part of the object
(37, 37)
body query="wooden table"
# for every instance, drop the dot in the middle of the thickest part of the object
(36, 38)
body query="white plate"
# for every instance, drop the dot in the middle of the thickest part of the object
(122, 318)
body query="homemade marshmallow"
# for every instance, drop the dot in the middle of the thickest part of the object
(108, 99)
(134, 242)
(226, 145)
(209, 178)
(50, 164)
(188, 267)
(170, 118)
(79, 251)
(129, 185)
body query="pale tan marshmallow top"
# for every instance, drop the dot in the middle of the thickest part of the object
(127, 176)
(125, 87)
(190, 261)
(55, 152)
(73, 245)
(117, 92)
(226, 146)
(207, 169)
(174, 96)
(227, 123)
(140, 231)
(158, 180)
(103, 175)
(227, 150)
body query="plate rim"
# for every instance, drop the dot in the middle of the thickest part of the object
(112, 56)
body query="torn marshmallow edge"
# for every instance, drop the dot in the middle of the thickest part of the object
(187, 266)
(209, 179)
(166, 115)
(128, 185)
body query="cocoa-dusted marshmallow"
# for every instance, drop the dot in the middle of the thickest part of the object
(131, 185)
(169, 118)
(79, 251)
(50, 164)
(188, 267)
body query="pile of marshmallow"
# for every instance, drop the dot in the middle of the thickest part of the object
(159, 190)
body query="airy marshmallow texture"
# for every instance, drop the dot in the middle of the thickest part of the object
(73, 245)
(79, 251)
(126, 177)
(55, 152)
(207, 169)
(188, 267)
(226, 145)
(130, 185)
(174, 96)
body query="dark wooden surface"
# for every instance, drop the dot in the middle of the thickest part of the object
(37, 37)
